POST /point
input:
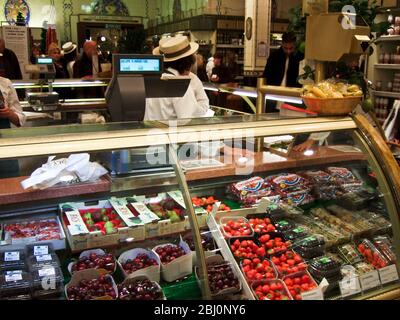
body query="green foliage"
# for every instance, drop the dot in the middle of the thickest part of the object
(297, 23)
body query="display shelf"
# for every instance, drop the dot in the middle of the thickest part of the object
(322, 156)
(61, 83)
(387, 66)
(11, 191)
(230, 46)
(387, 94)
(388, 39)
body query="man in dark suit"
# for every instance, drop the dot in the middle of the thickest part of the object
(9, 64)
(282, 67)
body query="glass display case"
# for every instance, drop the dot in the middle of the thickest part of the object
(241, 207)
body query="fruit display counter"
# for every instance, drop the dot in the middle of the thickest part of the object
(203, 210)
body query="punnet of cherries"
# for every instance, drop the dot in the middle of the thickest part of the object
(95, 261)
(169, 253)
(141, 261)
(91, 289)
(140, 290)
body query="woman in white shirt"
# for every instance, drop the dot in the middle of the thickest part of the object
(178, 61)
(10, 108)
(10, 115)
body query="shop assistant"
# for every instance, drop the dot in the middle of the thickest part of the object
(282, 67)
(178, 61)
(10, 115)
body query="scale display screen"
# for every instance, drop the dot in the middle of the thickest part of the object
(44, 60)
(140, 65)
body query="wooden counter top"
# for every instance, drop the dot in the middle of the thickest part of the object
(321, 156)
(11, 191)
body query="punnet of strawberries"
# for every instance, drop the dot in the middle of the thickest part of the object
(262, 226)
(237, 228)
(371, 254)
(257, 269)
(298, 284)
(247, 249)
(271, 290)
(208, 203)
(274, 245)
(288, 263)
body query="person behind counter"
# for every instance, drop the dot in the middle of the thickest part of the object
(69, 57)
(220, 72)
(54, 52)
(282, 67)
(87, 66)
(9, 64)
(178, 61)
(201, 68)
(10, 115)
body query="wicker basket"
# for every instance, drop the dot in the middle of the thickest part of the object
(332, 106)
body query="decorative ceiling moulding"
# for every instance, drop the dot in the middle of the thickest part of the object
(107, 18)
(13, 7)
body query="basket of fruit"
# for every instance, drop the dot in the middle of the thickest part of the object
(140, 262)
(330, 98)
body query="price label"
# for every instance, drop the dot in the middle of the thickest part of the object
(47, 272)
(11, 256)
(44, 258)
(40, 250)
(370, 280)
(350, 286)
(389, 274)
(178, 198)
(12, 276)
(315, 294)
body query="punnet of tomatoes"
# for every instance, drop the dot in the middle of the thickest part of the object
(271, 290)
(274, 243)
(288, 263)
(246, 249)
(299, 283)
(258, 269)
(372, 254)
(236, 227)
(261, 226)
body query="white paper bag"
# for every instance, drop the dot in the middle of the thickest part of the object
(77, 168)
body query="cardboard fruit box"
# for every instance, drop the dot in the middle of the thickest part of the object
(81, 238)
(168, 224)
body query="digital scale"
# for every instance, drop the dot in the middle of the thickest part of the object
(135, 78)
(44, 101)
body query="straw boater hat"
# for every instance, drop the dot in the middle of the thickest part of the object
(176, 48)
(68, 47)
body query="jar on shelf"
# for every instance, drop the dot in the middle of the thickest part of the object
(386, 59)
(390, 86)
(382, 58)
(392, 58)
(397, 30)
(378, 86)
(397, 21)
